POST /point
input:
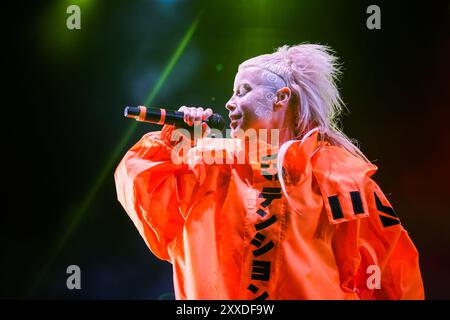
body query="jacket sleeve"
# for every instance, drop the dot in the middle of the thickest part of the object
(385, 244)
(154, 191)
(375, 255)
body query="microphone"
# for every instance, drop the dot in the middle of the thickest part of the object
(163, 116)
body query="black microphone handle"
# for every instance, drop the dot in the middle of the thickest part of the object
(154, 115)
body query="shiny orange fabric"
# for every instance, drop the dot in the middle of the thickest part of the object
(230, 233)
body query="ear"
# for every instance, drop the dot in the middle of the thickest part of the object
(282, 98)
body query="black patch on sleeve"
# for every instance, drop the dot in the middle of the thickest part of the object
(356, 202)
(335, 206)
(385, 209)
(387, 222)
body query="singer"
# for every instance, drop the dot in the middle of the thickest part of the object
(303, 221)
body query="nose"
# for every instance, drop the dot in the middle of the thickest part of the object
(230, 106)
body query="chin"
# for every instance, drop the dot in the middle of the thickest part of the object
(233, 133)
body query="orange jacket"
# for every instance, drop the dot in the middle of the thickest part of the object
(230, 233)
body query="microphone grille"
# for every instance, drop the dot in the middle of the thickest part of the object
(216, 121)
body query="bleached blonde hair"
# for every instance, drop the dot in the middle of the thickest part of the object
(311, 71)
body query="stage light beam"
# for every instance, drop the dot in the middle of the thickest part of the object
(113, 159)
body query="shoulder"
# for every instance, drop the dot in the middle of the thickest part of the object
(344, 181)
(342, 178)
(327, 162)
(338, 164)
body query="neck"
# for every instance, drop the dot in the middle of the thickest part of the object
(279, 135)
(285, 124)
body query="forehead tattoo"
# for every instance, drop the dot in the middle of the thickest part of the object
(272, 80)
(267, 78)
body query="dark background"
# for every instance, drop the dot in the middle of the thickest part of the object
(63, 128)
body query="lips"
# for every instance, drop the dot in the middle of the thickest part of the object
(234, 120)
(234, 124)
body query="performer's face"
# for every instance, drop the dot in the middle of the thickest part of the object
(253, 102)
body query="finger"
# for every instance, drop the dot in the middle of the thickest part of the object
(198, 116)
(208, 113)
(192, 114)
(185, 115)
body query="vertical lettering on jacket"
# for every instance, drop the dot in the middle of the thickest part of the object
(268, 194)
(261, 270)
(267, 163)
(254, 289)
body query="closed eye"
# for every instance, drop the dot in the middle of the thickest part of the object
(243, 89)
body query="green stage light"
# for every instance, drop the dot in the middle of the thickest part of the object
(112, 162)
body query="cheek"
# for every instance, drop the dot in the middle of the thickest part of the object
(255, 112)
(248, 108)
(263, 106)
(256, 108)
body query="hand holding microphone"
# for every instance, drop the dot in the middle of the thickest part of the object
(195, 115)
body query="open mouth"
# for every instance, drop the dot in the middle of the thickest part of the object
(234, 120)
